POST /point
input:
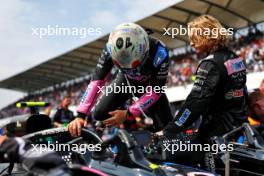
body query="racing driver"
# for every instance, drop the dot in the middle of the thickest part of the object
(142, 62)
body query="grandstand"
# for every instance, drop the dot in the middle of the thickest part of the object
(70, 72)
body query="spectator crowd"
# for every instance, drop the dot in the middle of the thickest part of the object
(182, 69)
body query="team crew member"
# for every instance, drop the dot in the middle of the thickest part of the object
(256, 106)
(256, 111)
(219, 91)
(142, 61)
(63, 115)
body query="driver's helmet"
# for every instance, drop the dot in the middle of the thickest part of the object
(128, 45)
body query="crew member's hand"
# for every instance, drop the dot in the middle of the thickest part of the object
(116, 119)
(56, 124)
(75, 126)
(2, 139)
(160, 133)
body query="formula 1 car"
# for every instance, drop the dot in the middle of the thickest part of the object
(134, 148)
(128, 160)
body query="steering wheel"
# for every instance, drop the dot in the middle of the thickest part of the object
(73, 150)
(87, 135)
(125, 143)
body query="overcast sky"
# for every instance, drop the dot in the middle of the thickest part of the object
(21, 50)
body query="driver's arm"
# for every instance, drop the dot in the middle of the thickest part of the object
(44, 163)
(103, 69)
(198, 101)
(100, 76)
(157, 83)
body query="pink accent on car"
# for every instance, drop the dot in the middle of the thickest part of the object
(89, 97)
(94, 171)
(144, 102)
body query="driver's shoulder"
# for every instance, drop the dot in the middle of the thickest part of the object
(158, 52)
